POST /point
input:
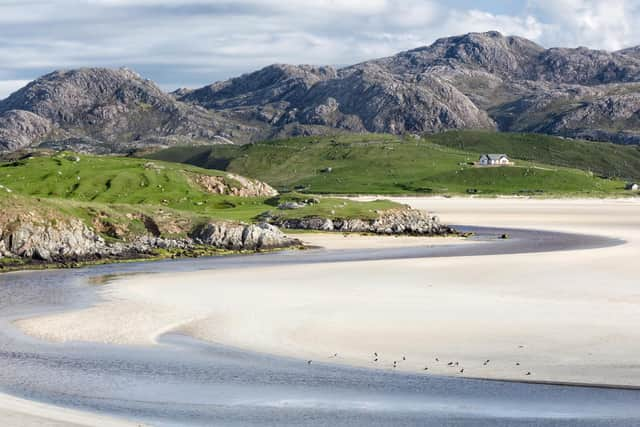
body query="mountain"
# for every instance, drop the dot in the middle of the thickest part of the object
(106, 110)
(477, 80)
(367, 97)
(472, 81)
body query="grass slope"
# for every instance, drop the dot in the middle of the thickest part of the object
(605, 159)
(383, 164)
(121, 188)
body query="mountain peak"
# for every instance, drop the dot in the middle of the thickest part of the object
(116, 107)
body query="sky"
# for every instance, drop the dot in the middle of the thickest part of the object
(191, 43)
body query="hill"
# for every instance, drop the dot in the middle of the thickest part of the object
(67, 208)
(105, 111)
(604, 159)
(386, 164)
(144, 184)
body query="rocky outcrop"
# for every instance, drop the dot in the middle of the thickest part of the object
(242, 236)
(70, 240)
(50, 241)
(393, 221)
(234, 185)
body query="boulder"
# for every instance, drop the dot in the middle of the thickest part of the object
(238, 236)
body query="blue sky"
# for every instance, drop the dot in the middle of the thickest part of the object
(190, 43)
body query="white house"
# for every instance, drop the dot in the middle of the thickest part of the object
(494, 159)
(632, 186)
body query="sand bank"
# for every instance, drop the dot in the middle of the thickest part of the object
(563, 316)
(358, 241)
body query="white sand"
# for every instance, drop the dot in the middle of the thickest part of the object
(570, 316)
(16, 412)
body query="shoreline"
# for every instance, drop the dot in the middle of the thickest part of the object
(190, 313)
(573, 311)
(205, 253)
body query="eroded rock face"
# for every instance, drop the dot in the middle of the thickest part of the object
(51, 241)
(18, 129)
(237, 236)
(71, 240)
(393, 221)
(234, 185)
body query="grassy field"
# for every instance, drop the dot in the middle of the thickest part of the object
(604, 159)
(120, 192)
(384, 164)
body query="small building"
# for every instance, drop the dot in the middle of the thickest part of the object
(494, 160)
(632, 186)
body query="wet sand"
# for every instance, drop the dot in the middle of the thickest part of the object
(16, 412)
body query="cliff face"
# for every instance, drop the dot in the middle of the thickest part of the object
(71, 240)
(50, 241)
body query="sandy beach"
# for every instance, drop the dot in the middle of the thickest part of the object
(562, 316)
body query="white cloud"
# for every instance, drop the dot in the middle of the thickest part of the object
(7, 87)
(610, 24)
(460, 22)
(199, 41)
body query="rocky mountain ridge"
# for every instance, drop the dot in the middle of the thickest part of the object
(472, 81)
(477, 80)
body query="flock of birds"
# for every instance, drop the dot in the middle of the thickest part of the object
(452, 364)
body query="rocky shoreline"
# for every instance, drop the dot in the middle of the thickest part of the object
(394, 221)
(69, 241)
(72, 241)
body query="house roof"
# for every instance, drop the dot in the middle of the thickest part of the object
(494, 156)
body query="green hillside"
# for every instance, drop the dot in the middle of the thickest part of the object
(383, 164)
(118, 184)
(605, 159)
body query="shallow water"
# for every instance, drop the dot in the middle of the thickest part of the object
(186, 382)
